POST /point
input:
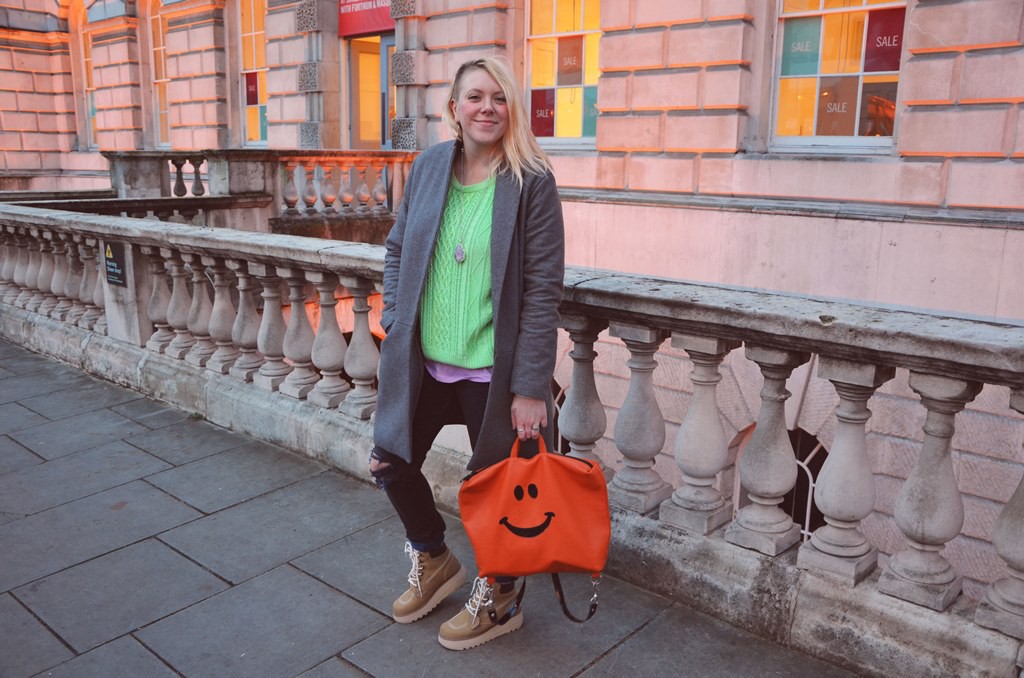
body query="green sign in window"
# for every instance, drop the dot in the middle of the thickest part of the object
(801, 46)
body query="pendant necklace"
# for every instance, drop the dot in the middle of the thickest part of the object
(460, 252)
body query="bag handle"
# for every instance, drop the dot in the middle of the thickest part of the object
(541, 445)
(595, 582)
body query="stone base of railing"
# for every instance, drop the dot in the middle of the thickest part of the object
(858, 627)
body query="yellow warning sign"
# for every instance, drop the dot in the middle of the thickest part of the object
(109, 253)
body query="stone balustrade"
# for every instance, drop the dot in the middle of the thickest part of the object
(343, 183)
(261, 310)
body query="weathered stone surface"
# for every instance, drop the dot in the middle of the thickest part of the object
(27, 646)
(124, 656)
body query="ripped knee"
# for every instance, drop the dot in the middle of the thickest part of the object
(383, 467)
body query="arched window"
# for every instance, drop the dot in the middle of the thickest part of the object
(254, 70)
(161, 109)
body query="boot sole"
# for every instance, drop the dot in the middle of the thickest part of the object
(511, 625)
(446, 589)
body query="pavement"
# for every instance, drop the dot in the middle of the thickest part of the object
(137, 540)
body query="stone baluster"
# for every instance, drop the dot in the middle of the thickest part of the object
(380, 191)
(309, 194)
(178, 308)
(1002, 608)
(31, 278)
(43, 300)
(9, 264)
(197, 181)
(581, 419)
(199, 312)
(290, 195)
(159, 300)
(701, 448)
(929, 510)
(179, 180)
(362, 192)
(362, 357)
(270, 339)
(245, 331)
(329, 347)
(768, 465)
(98, 293)
(73, 282)
(328, 192)
(87, 249)
(61, 272)
(298, 340)
(21, 241)
(345, 192)
(222, 318)
(639, 427)
(845, 488)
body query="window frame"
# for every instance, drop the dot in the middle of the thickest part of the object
(823, 144)
(263, 71)
(554, 143)
(156, 17)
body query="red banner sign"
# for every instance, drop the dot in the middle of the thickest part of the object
(359, 17)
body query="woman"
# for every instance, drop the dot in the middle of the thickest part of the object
(472, 283)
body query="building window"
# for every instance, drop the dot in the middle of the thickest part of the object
(563, 67)
(254, 70)
(89, 92)
(158, 33)
(105, 9)
(838, 72)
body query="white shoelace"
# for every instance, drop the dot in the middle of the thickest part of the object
(481, 596)
(417, 567)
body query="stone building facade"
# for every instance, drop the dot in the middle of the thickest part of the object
(848, 149)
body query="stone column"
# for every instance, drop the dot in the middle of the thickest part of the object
(701, 448)
(929, 509)
(9, 264)
(270, 339)
(1003, 605)
(177, 310)
(44, 301)
(329, 347)
(245, 331)
(159, 300)
(73, 282)
(639, 428)
(768, 465)
(59, 281)
(89, 282)
(99, 295)
(31, 275)
(845, 488)
(199, 312)
(298, 340)
(581, 419)
(222, 317)
(362, 357)
(21, 239)
(410, 76)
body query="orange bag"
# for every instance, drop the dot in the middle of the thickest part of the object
(548, 513)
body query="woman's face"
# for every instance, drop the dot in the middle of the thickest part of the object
(481, 109)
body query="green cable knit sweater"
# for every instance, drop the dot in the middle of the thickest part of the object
(456, 313)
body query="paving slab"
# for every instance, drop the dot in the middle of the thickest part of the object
(34, 382)
(95, 602)
(227, 478)
(74, 476)
(334, 668)
(60, 537)
(706, 647)
(88, 397)
(279, 624)
(14, 416)
(548, 644)
(186, 441)
(14, 457)
(122, 657)
(74, 434)
(372, 566)
(150, 413)
(250, 538)
(27, 362)
(26, 647)
(4, 373)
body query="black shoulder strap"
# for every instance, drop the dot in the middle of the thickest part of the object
(561, 598)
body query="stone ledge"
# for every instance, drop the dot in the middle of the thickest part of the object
(858, 627)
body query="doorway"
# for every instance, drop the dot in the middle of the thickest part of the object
(372, 94)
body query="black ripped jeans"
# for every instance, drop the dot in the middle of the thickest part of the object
(410, 493)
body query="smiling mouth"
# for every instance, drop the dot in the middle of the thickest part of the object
(528, 531)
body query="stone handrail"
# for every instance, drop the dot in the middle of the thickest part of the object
(51, 266)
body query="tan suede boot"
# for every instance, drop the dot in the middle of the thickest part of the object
(473, 625)
(431, 580)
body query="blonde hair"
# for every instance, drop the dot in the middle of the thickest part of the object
(519, 151)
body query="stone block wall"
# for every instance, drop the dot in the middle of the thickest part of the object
(286, 52)
(198, 72)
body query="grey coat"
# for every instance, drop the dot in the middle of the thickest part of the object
(527, 270)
